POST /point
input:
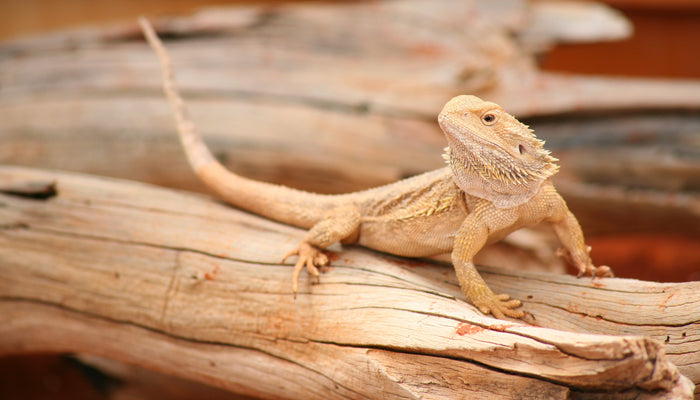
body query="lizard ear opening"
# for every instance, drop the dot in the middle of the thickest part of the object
(521, 148)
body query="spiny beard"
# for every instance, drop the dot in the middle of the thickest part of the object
(496, 176)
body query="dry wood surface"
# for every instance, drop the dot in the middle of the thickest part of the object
(185, 285)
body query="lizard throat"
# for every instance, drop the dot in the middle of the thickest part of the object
(494, 176)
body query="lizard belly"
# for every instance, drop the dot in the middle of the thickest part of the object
(415, 237)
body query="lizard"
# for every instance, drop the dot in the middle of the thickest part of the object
(497, 181)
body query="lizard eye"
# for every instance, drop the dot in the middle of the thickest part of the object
(489, 118)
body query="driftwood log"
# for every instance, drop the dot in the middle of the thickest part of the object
(185, 285)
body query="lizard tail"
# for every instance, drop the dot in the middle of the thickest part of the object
(280, 203)
(197, 152)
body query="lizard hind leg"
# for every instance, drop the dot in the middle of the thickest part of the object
(340, 224)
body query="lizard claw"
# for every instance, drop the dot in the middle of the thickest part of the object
(602, 271)
(500, 305)
(585, 269)
(310, 257)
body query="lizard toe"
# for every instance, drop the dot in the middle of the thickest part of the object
(312, 270)
(603, 271)
(496, 312)
(290, 253)
(310, 257)
(295, 275)
(514, 313)
(500, 306)
(321, 259)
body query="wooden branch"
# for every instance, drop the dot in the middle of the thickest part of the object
(626, 173)
(406, 58)
(187, 286)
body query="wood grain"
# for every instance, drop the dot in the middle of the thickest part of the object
(184, 285)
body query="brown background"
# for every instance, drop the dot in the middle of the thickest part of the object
(665, 43)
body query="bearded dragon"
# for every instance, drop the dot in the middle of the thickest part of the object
(497, 182)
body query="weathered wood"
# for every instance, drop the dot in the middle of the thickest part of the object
(395, 57)
(620, 173)
(188, 286)
(555, 22)
(352, 104)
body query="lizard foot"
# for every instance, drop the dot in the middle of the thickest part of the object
(602, 271)
(585, 269)
(500, 305)
(310, 257)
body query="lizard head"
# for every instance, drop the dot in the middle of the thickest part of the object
(491, 153)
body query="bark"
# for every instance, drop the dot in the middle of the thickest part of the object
(184, 285)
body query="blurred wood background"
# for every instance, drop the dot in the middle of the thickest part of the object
(666, 31)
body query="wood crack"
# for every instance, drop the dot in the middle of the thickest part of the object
(619, 322)
(243, 303)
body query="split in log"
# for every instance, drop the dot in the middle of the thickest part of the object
(188, 286)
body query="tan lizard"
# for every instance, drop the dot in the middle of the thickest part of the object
(497, 182)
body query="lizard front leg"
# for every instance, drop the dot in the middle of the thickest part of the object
(340, 225)
(471, 237)
(570, 234)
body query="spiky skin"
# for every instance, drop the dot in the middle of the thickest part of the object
(497, 182)
(492, 154)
